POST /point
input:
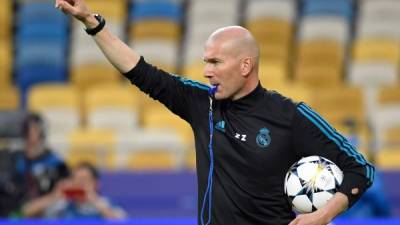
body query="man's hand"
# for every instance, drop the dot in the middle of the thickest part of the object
(336, 205)
(315, 218)
(76, 8)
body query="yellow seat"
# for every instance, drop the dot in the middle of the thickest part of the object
(9, 98)
(114, 10)
(389, 158)
(274, 52)
(196, 72)
(157, 116)
(170, 136)
(389, 95)
(85, 76)
(150, 29)
(94, 146)
(44, 96)
(273, 74)
(377, 50)
(339, 104)
(392, 136)
(274, 37)
(5, 62)
(275, 30)
(6, 14)
(321, 52)
(111, 96)
(121, 102)
(59, 104)
(318, 76)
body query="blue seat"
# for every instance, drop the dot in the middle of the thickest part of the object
(46, 32)
(159, 9)
(38, 53)
(343, 8)
(29, 75)
(40, 12)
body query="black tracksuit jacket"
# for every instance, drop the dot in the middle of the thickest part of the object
(256, 140)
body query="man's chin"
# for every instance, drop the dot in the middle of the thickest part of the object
(218, 96)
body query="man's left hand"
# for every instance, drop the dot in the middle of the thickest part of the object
(315, 218)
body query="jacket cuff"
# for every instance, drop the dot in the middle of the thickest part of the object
(352, 182)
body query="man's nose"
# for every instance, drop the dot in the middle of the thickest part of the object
(208, 72)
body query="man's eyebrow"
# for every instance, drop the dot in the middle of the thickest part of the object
(211, 60)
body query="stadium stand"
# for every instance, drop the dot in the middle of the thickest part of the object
(341, 57)
(40, 30)
(88, 65)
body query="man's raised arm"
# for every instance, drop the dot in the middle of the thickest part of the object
(117, 52)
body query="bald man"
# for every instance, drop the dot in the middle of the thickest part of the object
(246, 136)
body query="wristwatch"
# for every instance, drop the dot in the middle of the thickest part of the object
(98, 28)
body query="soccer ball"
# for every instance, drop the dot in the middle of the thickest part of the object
(311, 182)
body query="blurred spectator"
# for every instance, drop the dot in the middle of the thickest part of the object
(76, 198)
(37, 168)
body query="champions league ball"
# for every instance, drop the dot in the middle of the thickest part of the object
(311, 182)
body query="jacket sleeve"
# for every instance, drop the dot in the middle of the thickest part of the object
(178, 94)
(312, 135)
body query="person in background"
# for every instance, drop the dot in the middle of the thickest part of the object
(37, 168)
(76, 198)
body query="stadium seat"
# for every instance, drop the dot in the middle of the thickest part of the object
(85, 76)
(389, 95)
(373, 74)
(273, 9)
(204, 17)
(6, 19)
(118, 102)
(378, 28)
(83, 49)
(59, 104)
(339, 104)
(388, 158)
(94, 146)
(386, 126)
(39, 12)
(151, 49)
(273, 74)
(115, 10)
(161, 9)
(318, 76)
(6, 61)
(378, 8)
(156, 116)
(322, 52)
(150, 149)
(40, 31)
(342, 8)
(325, 27)
(155, 29)
(9, 98)
(377, 50)
(271, 30)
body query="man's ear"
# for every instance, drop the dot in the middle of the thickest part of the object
(246, 66)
